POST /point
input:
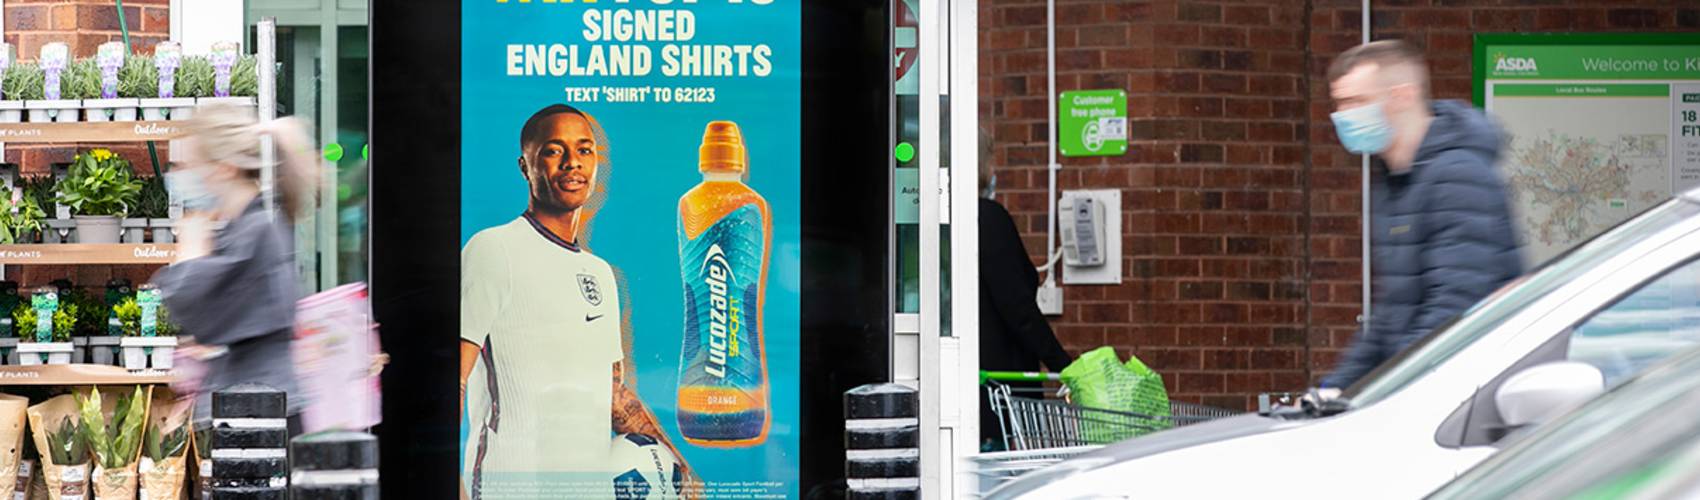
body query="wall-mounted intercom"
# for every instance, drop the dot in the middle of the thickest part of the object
(1082, 228)
(1089, 224)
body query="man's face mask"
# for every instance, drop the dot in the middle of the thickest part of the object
(1364, 129)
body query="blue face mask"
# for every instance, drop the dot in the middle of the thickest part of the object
(991, 187)
(190, 189)
(1364, 129)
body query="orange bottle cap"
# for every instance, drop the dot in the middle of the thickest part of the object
(722, 149)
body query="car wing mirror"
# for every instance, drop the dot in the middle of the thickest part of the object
(1538, 394)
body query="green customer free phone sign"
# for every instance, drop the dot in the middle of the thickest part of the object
(1092, 123)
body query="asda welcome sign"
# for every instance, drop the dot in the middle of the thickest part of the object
(1603, 62)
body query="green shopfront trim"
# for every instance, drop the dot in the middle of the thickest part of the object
(1566, 56)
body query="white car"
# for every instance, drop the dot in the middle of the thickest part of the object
(1617, 304)
(1640, 441)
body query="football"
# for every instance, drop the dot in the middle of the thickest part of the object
(644, 469)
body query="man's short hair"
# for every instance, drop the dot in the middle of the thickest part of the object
(1386, 54)
(534, 125)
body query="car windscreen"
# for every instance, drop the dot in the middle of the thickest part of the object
(1445, 342)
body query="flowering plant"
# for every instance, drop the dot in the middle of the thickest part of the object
(100, 183)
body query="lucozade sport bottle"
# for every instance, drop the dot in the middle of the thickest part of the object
(725, 230)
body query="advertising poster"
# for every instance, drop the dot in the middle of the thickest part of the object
(1601, 127)
(630, 262)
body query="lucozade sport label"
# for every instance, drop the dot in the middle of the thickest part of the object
(723, 239)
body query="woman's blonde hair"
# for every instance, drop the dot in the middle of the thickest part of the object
(230, 135)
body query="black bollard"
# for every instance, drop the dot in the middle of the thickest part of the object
(335, 466)
(882, 439)
(250, 439)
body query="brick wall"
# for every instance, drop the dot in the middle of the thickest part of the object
(1241, 211)
(83, 25)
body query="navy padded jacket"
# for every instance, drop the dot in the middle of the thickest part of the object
(1441, 238)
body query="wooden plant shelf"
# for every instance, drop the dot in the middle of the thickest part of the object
(83, 253)
(90, 131)
(77, 375)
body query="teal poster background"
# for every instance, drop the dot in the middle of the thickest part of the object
(652, 155)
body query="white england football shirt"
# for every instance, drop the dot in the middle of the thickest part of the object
(550, 315)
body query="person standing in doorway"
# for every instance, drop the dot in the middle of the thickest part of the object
(1014, 335)
(1442, 237)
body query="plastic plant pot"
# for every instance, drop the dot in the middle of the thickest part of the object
(58, 111)
(135, 230)
(60, 231)
(118, 109)
(175, 108)
(161, 229)
(103, 350)
(11, 111)
(56, 353)
(97, 229)
(141, 353)
(251, 103)
(80, 350)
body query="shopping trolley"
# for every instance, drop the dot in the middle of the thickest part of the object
(1038, 432)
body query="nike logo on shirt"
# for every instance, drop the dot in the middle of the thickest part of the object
(588, 318)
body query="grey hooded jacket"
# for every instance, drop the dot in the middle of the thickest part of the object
(1441, 237)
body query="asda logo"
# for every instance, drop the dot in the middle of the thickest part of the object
(1514, 65)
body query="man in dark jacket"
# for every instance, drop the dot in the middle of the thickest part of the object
(1441, 230)
(1014, 335)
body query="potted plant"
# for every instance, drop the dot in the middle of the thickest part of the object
(165, 450)
(166, 100)
(47, 328)
(135, 223)
(245, 77)
(91, 319)
(235, 76)
(139, 79)
(99, 189)
(163, 356)
(155, 205)
(58, 102)
(21, 321)
(22, 82)
(114, 437)
(44, 190)
(105, 103)
(149, 338)
(64, 449)
(20, 217)
(81, 82)
(11, 108)
(129, 315)
(9, 303)
(194, 81)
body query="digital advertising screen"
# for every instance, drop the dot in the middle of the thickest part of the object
(630, 249)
